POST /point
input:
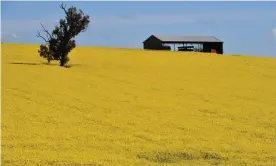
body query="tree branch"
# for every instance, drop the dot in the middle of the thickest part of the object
(62, 6)
(38, 35)
(46, 31)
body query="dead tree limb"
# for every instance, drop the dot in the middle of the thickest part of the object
(46, 31)
(38, 35)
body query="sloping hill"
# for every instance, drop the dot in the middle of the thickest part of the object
(135, 107)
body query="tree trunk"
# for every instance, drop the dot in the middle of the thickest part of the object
(62, 60)
(62, 63)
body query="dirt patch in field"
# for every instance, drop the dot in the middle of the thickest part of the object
(175, 157)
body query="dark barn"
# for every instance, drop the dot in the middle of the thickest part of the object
(188, 43)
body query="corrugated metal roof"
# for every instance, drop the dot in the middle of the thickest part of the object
(188, 38)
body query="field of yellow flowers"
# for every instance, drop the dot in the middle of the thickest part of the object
(136, 107)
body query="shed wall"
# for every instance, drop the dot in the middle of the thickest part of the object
(207, 47)
(153, 43)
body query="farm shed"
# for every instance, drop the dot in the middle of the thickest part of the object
(187, 43)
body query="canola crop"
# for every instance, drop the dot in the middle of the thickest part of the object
(134, 107)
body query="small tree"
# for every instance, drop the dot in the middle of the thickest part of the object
(61, 40)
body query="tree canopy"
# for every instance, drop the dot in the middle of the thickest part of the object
(61, 40)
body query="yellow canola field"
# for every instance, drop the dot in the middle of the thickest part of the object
(135, 107)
